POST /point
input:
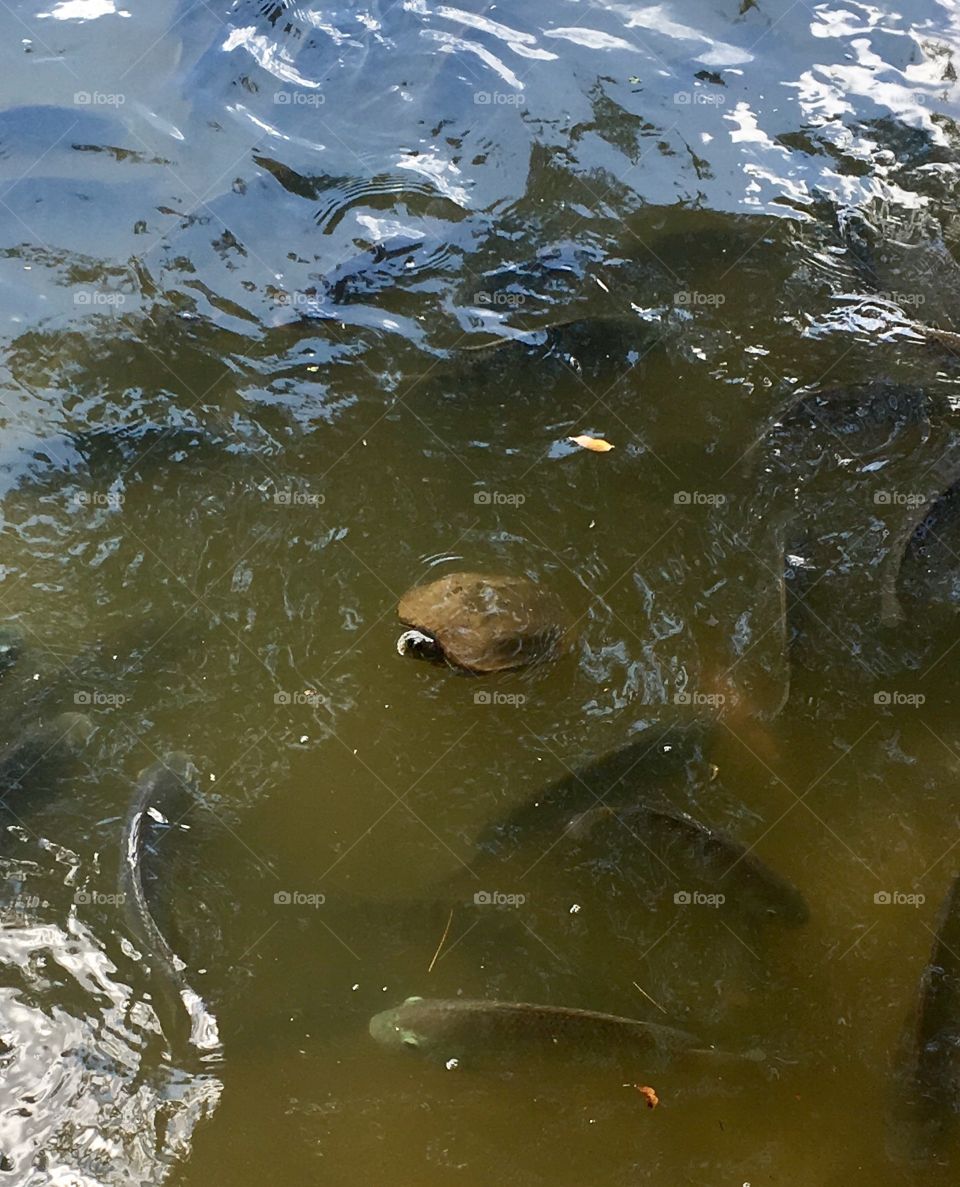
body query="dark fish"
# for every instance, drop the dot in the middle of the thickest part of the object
(475, 1032)
(902, 432)
(181, 1012)
(705, 856)
(57, 739)
(938, 485)
(930, 1102)
(618, 801)
(906, 254)
(870, 420)
(623, 776)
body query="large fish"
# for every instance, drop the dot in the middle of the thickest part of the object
(701, 855)
(624, 775)
(614, 810)
(479, 1033)
(932, 501)
(929, 1096)
(182, 1013)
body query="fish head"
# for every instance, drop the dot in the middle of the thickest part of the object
(389, 1031)
(391, 1028)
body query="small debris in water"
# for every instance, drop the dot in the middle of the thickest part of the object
(594, 444)
(648, 1095)
(575, 909)
(443, 940)
(451, 1064)
(649, 999)
(304, 737)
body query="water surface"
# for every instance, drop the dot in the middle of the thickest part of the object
(300, 306)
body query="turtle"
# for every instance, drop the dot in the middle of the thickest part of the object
(482, 623)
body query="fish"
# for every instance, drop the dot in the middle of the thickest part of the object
(708, 856)
(186, 1021)
(61, 737)
(936, 485)
(622, 792)
(928, 1092)
(620, 776)
(898, 431)
(477, 1032)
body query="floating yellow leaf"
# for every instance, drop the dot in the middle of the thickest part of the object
(596, 444)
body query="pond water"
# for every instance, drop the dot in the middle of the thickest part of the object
(301, 305)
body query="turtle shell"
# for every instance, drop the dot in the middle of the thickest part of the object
(487, 623)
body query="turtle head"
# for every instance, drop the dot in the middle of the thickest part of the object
(420, 645)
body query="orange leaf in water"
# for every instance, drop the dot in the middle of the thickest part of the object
(648, 1095)
(596, 444)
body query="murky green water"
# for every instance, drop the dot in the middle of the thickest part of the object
(301, 306)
